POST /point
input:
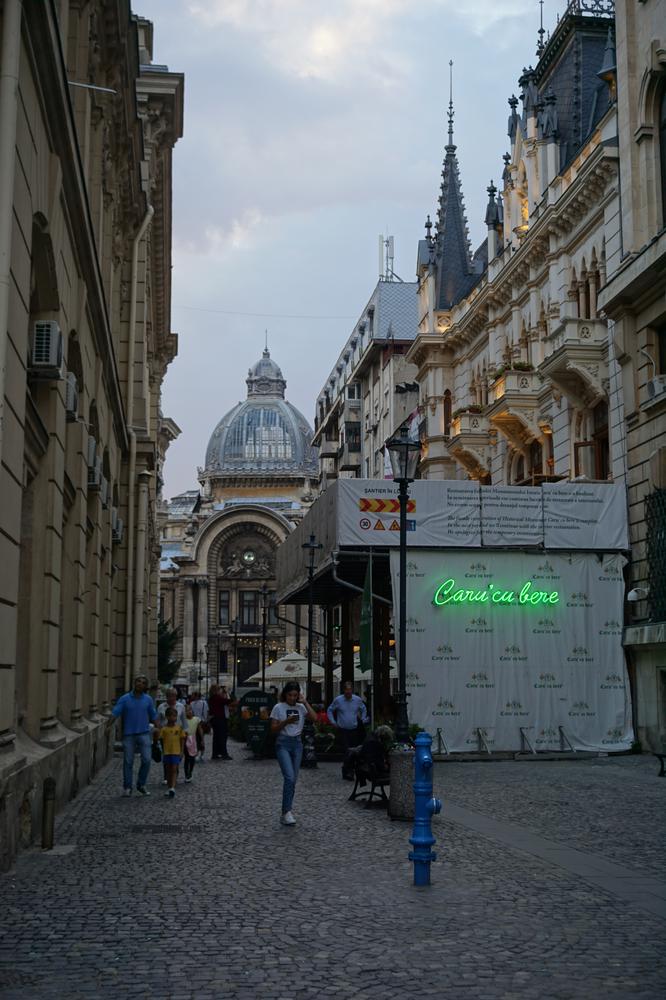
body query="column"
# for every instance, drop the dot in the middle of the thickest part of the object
(202, 620)
(188, 618)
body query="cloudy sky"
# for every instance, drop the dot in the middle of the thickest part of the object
(311, 126)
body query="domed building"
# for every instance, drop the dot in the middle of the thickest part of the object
(218, 543)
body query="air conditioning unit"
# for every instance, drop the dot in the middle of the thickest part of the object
(95, 476)
(118, 531)
(46, 349)
(656, 390)
(104, 492)
(71, 397)
(92, 451)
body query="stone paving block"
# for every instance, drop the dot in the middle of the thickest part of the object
(330, 903)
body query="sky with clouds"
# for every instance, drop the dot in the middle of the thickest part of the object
(311, 126)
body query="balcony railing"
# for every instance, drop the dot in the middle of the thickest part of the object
(525, 384)
(469, 423)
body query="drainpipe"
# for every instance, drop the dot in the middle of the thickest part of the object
(139, 587)
(129, 408)
(9, 78)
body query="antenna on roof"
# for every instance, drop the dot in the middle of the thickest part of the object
(540, 32)
(386, 258)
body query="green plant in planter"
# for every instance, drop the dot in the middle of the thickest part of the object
(522, 366)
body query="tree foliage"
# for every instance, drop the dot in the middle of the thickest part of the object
(167, 640)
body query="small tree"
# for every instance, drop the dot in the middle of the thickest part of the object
(167, 640)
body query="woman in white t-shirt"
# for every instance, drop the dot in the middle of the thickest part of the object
(287, 718)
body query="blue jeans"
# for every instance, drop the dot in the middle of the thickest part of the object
(288, 750)
(133, 744)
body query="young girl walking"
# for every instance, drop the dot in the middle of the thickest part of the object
(287, 718)
(173, 738)
(193, 742)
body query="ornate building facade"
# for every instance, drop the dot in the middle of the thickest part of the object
(541, 356)
(87, 129)
(218, 544)
(517, 374)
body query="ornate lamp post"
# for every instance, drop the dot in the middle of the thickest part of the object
(235, 626)
(309, 754)
(404, 456)
(264, 609)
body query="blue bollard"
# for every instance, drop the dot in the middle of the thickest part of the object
(424, 807)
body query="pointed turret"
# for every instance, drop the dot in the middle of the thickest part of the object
(455, 273)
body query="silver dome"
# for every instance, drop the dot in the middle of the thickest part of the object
(265, 435)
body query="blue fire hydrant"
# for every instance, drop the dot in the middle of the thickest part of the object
(424, 808)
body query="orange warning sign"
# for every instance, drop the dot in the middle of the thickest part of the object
(394, 526)
(378, 505)
(379, 526)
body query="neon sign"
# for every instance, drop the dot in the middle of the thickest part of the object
(448, 593)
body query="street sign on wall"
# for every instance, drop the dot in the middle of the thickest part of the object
(451, 514)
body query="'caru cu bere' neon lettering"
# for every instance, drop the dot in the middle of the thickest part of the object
(448, 593)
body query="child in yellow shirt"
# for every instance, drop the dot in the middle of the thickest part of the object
(173, 737)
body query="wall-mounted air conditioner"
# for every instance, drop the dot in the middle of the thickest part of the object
(656, 390)
(118, 531)
(46, 349)
(71, 397)
(95, 476)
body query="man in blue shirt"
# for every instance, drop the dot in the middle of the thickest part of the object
(137, 711)
(347, 712)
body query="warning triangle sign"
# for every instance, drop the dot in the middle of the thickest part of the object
(395, 526)
(379, 526)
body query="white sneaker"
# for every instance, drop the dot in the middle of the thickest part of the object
(287, 819)
(164, 781)
(187, 781)
(127, 791)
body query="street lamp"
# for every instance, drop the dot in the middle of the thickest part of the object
(404, 456)
(207, 664)
(236, 627)
(264, 595)
(309, 754)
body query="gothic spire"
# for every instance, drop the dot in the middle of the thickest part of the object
(453, 252)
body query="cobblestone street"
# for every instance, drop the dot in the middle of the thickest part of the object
(547, 886)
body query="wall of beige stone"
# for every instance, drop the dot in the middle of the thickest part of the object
(63, 575)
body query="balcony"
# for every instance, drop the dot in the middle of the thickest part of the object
(349, 457)
(577, 364)
(328, 448)
(470, 442)
(514, 406)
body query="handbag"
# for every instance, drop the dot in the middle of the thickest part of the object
(156, 752)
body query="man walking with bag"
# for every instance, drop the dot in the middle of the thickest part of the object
(136, 711)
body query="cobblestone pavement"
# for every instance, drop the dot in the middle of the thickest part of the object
(207, 896)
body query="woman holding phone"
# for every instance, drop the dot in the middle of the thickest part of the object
(287, 719)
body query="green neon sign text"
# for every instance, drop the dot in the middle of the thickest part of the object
(447, 593)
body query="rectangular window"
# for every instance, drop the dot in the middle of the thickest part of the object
(660, 350)
(353, 434)
(273, 609)
(224, 607)
(249, 607)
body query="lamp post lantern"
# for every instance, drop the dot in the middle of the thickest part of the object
(264, 609)
(309, 753)
(404, 456)
(236, 627)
